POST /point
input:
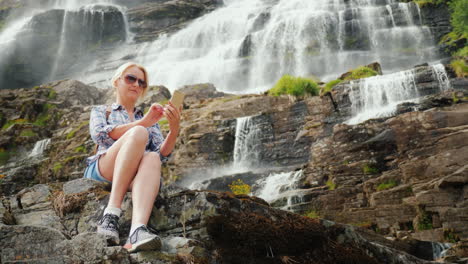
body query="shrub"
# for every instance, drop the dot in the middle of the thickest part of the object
(329, 86)
(331, 185)
(239, 187)
(386, 185)
(361, 72)
(296, 86)
(425, 221)
(460, 68)
(459, 16)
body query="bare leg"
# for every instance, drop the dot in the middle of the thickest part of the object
(145, 187)
(121, 162)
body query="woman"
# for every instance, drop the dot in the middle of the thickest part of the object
(131, 148)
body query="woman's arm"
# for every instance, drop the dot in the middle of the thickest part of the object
(173, 117)
(154, 114)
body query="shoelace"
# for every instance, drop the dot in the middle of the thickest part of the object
(112, 221)
(134, 236)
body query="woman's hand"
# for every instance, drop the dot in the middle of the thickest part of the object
(172, 115)
(153, 115)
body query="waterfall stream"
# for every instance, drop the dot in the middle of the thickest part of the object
(39, 148)
(248, 44)
(378, 96)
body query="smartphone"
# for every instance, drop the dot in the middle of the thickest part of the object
(177, 99)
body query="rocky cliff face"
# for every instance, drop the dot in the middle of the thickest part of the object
(403, 177)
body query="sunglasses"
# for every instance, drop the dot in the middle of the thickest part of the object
(131, 79)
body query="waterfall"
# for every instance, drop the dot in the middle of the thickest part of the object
(245, 145)
(276, 186)
(378, 96)
(247, 45)
(39, 148)
(439, 249)
(441, 75)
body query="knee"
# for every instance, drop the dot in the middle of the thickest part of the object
(152, 159)
(139, 133)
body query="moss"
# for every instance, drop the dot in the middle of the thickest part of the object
(460, 68)
(364, 224)
(28, 133)
(329, 86)
(296, 86)
(331, 185)
(423, 3)
(9, 123)
(57, 167)
(312, 214)
(386, 185)
(361, 72)
(239, 187)
(73, 132)
(4, 156)
(80, 149)
(369, 169)
(52, 94)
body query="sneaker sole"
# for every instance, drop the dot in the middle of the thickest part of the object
(110, 237)
(145, 245)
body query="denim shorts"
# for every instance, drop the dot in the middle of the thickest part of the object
(92, 172)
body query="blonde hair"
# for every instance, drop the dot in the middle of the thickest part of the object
(119, 72)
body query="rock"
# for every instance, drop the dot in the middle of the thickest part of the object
(199, 92)
(374, 66)
(81, 185)
(151, 19)
(27, 67)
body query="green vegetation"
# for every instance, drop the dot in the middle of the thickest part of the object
(460, 68)
(329, 86)
(239, 187)
(425, 221)
(163, 124)
(57, 166)
(9, 123)
(73, 132)
(52, 94)
(361, 72)
(4, 156)
(369, 169)
(422, 3)
(387, 185)
(80, 149)
(331, 185)
(296, 86)
(28, 133)
(450, 237)
(312, 214)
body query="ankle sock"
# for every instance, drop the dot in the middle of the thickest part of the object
(113, 210)
(134, 227)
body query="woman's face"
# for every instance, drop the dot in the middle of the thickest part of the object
(127, 90)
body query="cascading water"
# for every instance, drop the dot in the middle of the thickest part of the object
(247, 45)
(39, 148)
(378, 96)
(441, 74)
(247, 137)
(276, 186)
(68, 33)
